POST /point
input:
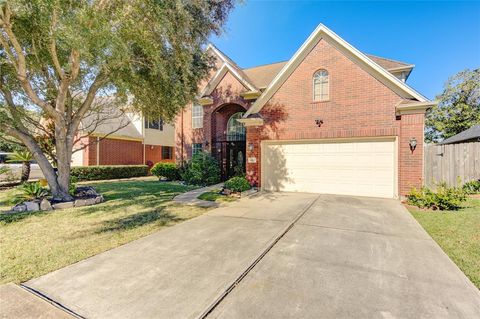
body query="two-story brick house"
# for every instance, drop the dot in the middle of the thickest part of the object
(331, 120)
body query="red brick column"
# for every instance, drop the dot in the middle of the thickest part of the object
(253, 169)
(410, 163)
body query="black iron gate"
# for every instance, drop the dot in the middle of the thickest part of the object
(231, 157)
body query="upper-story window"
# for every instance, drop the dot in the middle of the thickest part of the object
(320, 86)
(156, 124)
(197, 116)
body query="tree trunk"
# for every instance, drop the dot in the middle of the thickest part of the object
(63, 146)
(45, 165)
(25, 172)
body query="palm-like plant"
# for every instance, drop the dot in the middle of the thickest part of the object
(24, 157)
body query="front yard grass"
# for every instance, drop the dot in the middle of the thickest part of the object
(458, 233)
(215, 196)
(35, 243)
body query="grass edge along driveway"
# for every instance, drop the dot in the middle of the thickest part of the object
(457, 233)
(36, 243)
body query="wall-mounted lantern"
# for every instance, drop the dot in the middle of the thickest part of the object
(207, 143)
(250, 147)
(413, 144)
(319, 122)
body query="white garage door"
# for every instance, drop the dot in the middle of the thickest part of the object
(363, 168)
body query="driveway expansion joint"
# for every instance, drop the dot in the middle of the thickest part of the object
(54, 303)
(232, 286)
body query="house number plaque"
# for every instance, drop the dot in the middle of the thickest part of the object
(252, 159)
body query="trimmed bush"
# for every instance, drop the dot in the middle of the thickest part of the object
(444, 198)
(91, 173)
(472, 187)
(202, 170)
(168, 171)
(237, 184)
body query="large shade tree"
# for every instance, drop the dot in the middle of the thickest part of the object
(58, 56)
(458, 108)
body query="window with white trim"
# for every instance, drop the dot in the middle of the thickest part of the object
(156, 124)
(197, 116)
(196, 148)
(321, 86)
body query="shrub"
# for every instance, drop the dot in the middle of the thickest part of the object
(237, 184)
(472, 187)
(444, 198)
(202, 170)
(91, 173)
(29, 191)
(166, 170)
(73, 185)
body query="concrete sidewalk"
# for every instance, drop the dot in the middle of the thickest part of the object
(191, 197)
(177, 272)
(18, 303)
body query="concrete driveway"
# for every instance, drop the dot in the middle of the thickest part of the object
(279, 255)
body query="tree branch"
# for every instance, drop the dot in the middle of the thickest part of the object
(21, 67)
(99, 81)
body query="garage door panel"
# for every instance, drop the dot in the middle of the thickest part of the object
(350, 168)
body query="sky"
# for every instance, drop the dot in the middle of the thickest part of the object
(440, 38)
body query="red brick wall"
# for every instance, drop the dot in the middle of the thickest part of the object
(120, 152)
(226, 101)
(154, 153)
(410, 168)
(90, 152)
(359, 104)
(112, 152)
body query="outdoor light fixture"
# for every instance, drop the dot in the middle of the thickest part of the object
(206, 143)
(250, 147)
(319, 122)
(413, 144)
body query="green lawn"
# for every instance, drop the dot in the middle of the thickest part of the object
(215, 196)
(458, 233)
(33, 244)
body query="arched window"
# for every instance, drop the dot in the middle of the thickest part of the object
(320, 86)
(235, 129)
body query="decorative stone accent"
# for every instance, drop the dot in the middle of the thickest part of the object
(45, 204)
(99, 199)
(19, 208)
(84, 196)
(63, 205)
(85, 191)
(32, 206)
(80, 202)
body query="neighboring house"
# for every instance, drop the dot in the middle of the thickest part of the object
(470, 135)
(123, 138)
(329, 120)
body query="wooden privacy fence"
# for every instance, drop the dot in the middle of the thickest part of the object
(451, 162)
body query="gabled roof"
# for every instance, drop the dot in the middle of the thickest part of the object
(322, 32)
(389, 64)
(227, 66)
(262, 75)
(470, 134)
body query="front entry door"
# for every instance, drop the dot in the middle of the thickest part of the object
(235, 159)
(231, 157)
